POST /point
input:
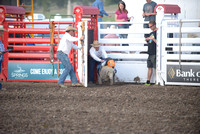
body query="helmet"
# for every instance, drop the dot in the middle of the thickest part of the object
(111, 63)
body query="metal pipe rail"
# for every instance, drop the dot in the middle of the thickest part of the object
(30, 55)
(31, 40)
(31, 48)
(34, 30)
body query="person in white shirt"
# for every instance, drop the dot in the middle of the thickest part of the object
(63, 50)
(97, 54)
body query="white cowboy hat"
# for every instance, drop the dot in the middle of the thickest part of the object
(96, 44)
(1, 28)
(70, 28)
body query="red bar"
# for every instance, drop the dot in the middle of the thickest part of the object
(13, 10)
(30, 55)
(38, 22)
(34, 30)
(31, 40)
(32, 48)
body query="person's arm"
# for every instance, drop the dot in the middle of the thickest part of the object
(67, 36)
(143, 14)
(101, 9)
(92, 54)
(149, 14)
(104, 54)
(155, 37)
(155, 40)
(78, 47)
(152, 37)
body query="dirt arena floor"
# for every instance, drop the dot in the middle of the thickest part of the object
(44, 108)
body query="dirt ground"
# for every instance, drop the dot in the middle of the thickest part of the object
(44, 108)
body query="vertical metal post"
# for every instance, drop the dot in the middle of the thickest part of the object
(180, 44)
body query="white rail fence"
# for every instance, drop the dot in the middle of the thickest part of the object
(174, 51)
(180, 56)
(131, 59)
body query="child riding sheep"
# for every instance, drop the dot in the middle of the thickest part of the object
(107, 72)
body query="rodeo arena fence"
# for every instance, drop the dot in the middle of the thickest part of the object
(178, 53)
(33, 55)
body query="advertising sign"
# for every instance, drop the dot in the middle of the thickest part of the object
(185, 73)
(34, 71)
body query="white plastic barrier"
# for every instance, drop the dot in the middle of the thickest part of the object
(131, 59)
(179, 60)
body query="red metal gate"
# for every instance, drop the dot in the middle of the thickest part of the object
(31, 50)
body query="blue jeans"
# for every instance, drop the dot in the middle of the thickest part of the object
(99, 19)
(0, 72)
(68, 68)
(92, 64)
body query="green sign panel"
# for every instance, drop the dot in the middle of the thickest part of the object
(34, 71)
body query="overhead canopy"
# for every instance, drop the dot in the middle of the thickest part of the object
(168, 8)
(86, 10)
(12, 10)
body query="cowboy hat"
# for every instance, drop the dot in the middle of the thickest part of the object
(70, 28)
(96, 44)
(1, 28)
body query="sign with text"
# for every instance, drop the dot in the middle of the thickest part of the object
(34, 71)
(183, 73)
